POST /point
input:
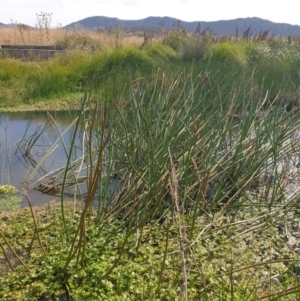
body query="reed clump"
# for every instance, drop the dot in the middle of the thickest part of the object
(24, 35)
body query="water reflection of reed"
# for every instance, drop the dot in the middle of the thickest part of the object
(31, 142)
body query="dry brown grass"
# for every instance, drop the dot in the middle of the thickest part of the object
(26, 36)
(23, 36)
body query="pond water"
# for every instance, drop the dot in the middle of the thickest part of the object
(20, 163)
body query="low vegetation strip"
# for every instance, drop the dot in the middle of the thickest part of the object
(223, 260)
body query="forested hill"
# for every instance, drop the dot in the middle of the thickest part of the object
(222, 27)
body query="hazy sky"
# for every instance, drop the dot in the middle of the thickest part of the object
(68, 11)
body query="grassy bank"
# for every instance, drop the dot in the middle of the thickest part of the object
(273, 62)
(190, 150)
(67, 75)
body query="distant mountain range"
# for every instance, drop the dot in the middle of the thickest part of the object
(223, 27)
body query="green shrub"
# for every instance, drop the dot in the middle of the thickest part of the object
(79, 42)
(173, 40)
(189, 47)
(230, 52)
(159, 53)
(194, 48)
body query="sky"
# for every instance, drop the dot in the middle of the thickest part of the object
(65, 12)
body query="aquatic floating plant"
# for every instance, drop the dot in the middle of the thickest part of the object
(9, 197)
(6, 189)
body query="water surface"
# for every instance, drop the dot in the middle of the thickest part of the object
(20, 129)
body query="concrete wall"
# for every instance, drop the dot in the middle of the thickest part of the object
(29, 52)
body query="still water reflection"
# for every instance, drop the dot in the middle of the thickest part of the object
(19, 129)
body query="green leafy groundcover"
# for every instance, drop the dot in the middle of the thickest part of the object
(223, 263)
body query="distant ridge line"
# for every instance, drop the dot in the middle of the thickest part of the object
(222, 27)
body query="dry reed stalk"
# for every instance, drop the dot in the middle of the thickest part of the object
(23, 36)
(203, 184)
(18, 36)
(6, 257)
(14, 252)
(34, 222)
(181, 229)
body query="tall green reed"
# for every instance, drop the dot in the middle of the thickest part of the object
(183, 146)
(214, 138)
